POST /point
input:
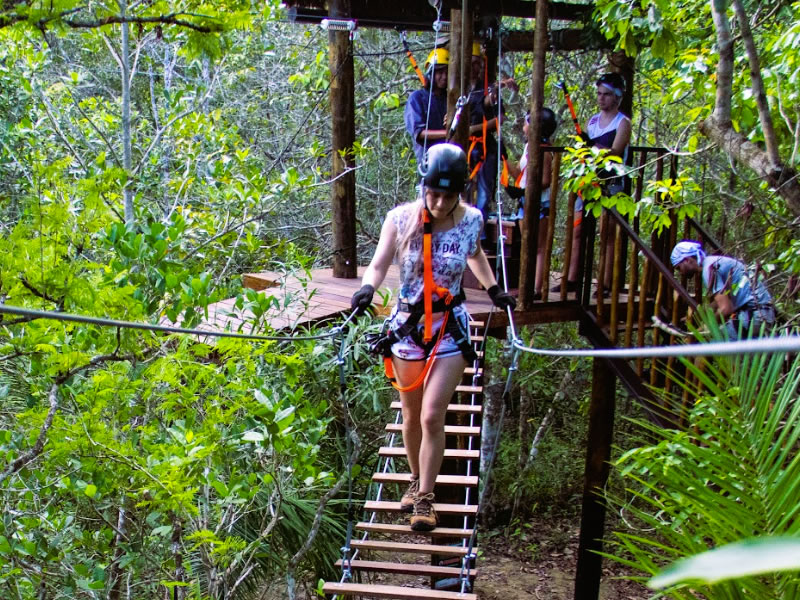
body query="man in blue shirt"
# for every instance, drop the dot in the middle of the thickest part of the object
(426, 109)
(739, 298)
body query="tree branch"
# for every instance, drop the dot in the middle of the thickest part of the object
(170, 19)
(38, 446)
(43, 295)
(63, 17)
(291, 567)
(722, 105)
(767, 128)
(719, 129)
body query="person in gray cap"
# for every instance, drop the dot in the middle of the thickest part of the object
(736, 295)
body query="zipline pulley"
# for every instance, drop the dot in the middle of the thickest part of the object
(350, 25)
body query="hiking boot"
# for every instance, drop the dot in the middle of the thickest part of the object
(424, 517)
(407, 501)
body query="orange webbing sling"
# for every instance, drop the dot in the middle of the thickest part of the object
(429, 287)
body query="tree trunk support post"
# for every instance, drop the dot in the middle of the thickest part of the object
(343, 189)
(598, 455)
(533, 186)
(460, 63)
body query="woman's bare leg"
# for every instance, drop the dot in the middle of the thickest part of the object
(445, 375)
(406, 372)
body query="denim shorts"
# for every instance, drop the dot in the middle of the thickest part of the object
(408, 349)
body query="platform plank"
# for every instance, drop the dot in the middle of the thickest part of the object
(448, 429)
(368, 590)
(396, 451)
(442, 509)
(407, 568)
(459, 408)
(410, 547)
(395, 529)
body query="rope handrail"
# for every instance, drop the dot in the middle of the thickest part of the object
(104, 322)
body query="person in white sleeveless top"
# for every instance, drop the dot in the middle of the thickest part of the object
(610, 129)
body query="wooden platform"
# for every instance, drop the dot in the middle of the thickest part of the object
(299, 301)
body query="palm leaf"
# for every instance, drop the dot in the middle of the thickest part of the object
(733, 474)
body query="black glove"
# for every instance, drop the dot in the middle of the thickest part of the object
(586, 139)
(501, 299)
(362, 299)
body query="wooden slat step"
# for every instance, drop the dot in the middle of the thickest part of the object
(477, 339)
(443, 509)
(403, 478)
(395, 529)
(459, 408)
(389, 546)
(368, 590)
(448, 429)
(406, 568)
(448, 452)
(476, 323)
(472, 370)
(469, 389)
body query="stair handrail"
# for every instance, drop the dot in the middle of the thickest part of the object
(654, 259)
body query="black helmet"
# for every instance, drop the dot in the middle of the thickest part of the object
(613, 80)
(444, 168)
(549, 123)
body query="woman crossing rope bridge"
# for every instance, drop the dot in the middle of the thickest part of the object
(433, 239)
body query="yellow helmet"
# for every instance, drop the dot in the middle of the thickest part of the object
(437, 57)
(476, 49)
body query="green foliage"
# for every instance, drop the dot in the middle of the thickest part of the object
(731, 475)
(550, 484)
(585, 170)
(738, 559)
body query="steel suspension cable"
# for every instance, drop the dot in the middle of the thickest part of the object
(103, 322)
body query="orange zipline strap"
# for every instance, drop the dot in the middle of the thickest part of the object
(474, 139)
(389, 367)
(412, 60)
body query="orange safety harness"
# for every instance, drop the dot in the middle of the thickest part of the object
(446, 303)
(428, 289)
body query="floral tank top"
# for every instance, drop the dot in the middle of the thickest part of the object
(450, 251)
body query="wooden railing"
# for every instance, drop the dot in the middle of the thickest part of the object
(638, 284)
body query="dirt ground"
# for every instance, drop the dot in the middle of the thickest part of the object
(536, 561)
(540, 564)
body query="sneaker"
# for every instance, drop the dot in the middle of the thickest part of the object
(572, 286)
(407, 501)
(424, 517)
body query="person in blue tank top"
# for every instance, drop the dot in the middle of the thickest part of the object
(737, 295)
(609, 129)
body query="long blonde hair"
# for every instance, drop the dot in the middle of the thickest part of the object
(413, 227)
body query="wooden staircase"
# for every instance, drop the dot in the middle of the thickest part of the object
(388, 558)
